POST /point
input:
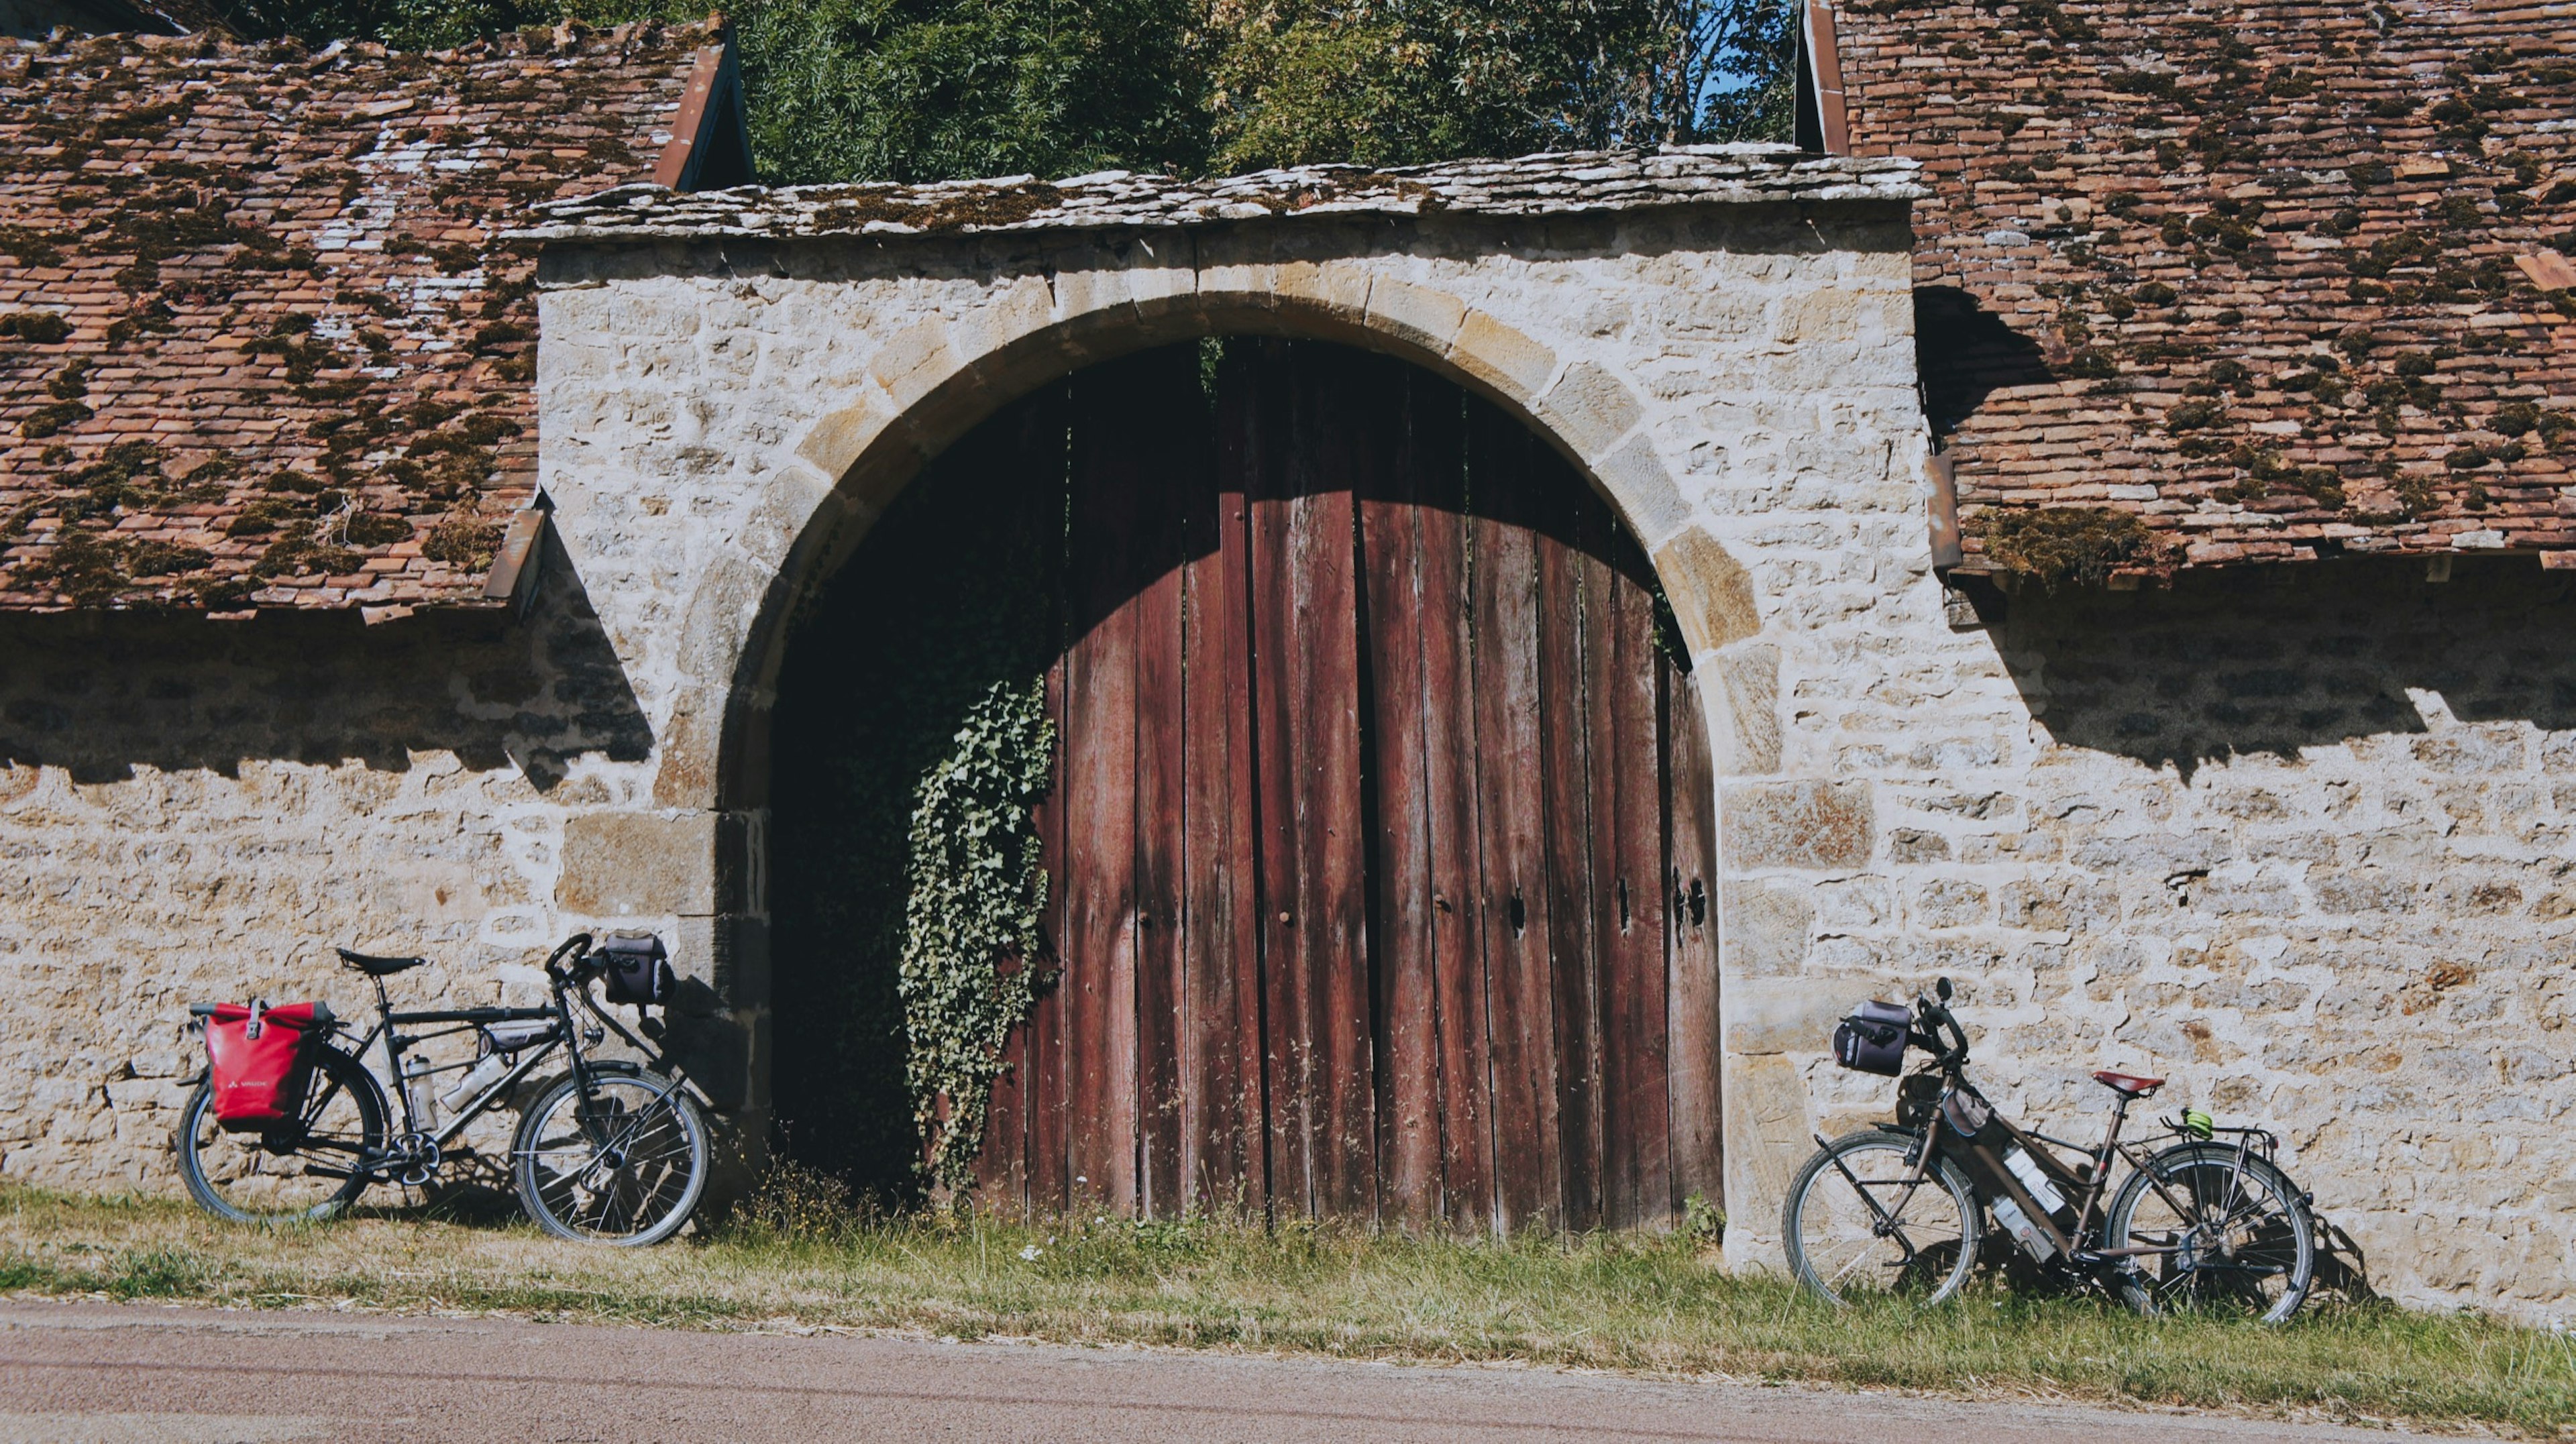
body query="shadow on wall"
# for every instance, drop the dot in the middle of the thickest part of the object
(101, 693)
(2276, 659)
(1965, 353)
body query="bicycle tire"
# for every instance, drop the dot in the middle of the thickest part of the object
(575, 1168)
(1823, 1201)
(246, 1177)
(2270, 1227)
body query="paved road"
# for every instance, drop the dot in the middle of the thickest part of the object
(107, 1374)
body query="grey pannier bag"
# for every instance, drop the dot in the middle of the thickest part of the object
(636, 969)
(1872, 1039)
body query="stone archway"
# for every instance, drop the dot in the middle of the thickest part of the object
(1380, 820)
(1719, 342)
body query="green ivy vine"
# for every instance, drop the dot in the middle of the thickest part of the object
(975, 888)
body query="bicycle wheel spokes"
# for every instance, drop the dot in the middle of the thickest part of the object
(624, 1165)
(1859, 1223)
(307, 1169)
(2228, 1235)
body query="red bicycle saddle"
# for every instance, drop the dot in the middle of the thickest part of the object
(2129, 1083)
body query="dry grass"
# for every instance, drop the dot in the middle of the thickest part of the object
(1630, 1304)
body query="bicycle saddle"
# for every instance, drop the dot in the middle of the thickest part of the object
(376, 967)
(2129, 1083)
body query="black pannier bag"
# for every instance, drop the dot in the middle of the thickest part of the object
(1872, 1039)
(635, 968)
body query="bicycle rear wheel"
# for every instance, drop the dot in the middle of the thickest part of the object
(2226, 1239)
(624, 1165)
(309, 1169)
(1858, 1223)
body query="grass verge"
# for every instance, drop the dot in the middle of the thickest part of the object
(1619, 1303)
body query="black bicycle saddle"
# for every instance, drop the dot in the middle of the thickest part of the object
(376, 967)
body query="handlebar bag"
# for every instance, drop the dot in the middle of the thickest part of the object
(259, 1061)
(635, 968)
(1872, 1038)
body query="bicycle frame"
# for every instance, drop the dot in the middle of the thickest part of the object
(2088, 1185)
(569, 1038)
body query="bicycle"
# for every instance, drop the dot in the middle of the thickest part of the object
(611, 1152)
(2208, 1221)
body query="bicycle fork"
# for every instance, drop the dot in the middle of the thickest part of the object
(1884, 1224)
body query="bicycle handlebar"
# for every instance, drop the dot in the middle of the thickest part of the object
(1935, 1017)
(578, 945)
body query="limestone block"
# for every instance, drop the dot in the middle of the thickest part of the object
(914, 362)
(630, 864)
(1765, 929)
(1505, 359)
(1804, 824)
(1641, 486)
(1711, 593)
(840, 437)
(1589, 407)
(1339, 290)
(1749, 733)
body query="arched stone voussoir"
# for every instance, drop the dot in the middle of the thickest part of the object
(937, 378)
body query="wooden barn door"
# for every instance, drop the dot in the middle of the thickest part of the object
(1381, 835)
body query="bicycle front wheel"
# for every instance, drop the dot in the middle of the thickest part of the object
(307, 1169)
(2219, 1236)
(1858, 1222)
(622, 1164)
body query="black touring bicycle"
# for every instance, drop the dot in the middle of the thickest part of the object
(288, 1122)
(2204, 1219)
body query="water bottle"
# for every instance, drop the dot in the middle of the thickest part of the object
(477, 1078)
(416, 1086)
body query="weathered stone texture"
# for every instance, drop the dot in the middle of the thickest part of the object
(2303, 847)
(195, 811)
(2295, 844)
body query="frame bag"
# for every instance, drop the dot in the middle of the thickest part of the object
(1872, 1039)
(636, 968)
(259, 1063)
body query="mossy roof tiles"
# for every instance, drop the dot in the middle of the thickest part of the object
(2281, 279)
(260, 344)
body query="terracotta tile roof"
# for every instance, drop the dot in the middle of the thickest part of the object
(2282, 279)
(260, 344)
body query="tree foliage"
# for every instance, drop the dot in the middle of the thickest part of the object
(933, 89)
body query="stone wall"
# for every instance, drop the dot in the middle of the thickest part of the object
(2297, 839)
(2292, 838)
(198, 811)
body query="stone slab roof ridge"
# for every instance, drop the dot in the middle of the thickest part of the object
(1556, 183)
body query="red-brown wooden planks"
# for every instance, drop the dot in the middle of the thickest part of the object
(1512, 822)
(1325, 745)
(1628, 863)
(1451, 829)
(1221, 1144)
(1288, 1053)
(1394, 627)
(1100, 802)
(1691, 802)
(1569, 628)
(1381, 834)
(1166, 438)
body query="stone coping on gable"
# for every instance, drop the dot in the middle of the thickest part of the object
(1556, 183)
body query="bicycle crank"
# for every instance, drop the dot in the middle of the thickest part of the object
(416, 1159)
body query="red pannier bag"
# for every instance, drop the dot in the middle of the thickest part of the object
(259, 1062)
